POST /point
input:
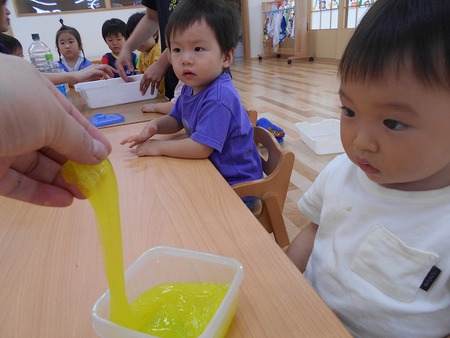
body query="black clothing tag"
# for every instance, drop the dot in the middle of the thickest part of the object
(430, 278)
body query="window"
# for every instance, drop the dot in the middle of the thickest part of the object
(355, 11)
(57, 6)
(324, 14)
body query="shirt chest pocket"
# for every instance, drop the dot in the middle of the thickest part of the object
(390, 265)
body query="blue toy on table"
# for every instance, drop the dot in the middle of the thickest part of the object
(100, 120)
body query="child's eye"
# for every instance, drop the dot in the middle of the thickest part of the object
(199, 49)
(347, 112)
(176, 50)
(393, 124)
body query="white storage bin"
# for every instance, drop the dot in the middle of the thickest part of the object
(111, 92)
(165, 265)
(322, 137)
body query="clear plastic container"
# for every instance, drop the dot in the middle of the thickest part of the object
(163, 265)
(37, 52)
(110, 92)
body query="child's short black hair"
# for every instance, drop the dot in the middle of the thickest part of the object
(401, 33)
(132, 22)
(10, 42)
(114, 26)
(70, 30)
(220, 16)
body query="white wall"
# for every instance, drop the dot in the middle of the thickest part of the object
(89, 24)
(255, 24)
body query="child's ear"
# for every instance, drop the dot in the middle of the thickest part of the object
(228, 58)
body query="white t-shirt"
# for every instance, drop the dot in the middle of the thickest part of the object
(374, 249)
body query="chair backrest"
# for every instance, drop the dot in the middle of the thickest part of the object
(271, 189)
(253, 116)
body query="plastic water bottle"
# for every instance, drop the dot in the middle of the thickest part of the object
(54, 67)
(37, 52)
(51, 65)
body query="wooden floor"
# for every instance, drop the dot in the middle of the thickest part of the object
(286, 94)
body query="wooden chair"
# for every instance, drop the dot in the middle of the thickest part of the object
(272, 188)
(253, 116)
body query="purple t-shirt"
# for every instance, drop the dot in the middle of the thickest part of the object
(216, 117)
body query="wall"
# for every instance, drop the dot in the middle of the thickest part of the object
(89, 24)
(255, 27)
(324, 43)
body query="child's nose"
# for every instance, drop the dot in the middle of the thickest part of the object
(187, 58)
(365, 139)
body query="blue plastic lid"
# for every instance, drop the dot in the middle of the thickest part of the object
(100, 120)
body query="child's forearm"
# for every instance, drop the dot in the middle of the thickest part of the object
(165, 125)
(184, 148)
(301, 247)
(159, 107)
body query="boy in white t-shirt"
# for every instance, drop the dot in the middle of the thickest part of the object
(377, 248)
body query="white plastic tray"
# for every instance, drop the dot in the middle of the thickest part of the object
(111, 92)
(322, 137)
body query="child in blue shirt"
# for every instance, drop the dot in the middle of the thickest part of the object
(69, 46)
(114, 33)
(202, 36)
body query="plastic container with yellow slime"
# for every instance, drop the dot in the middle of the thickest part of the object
(177, 309)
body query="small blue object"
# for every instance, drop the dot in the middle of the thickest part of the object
(100, 120)
(62, 89)
(276, 131)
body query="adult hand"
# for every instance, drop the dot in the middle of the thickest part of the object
(38, 134)
(94, 72)
(151, 78)
(124, 59)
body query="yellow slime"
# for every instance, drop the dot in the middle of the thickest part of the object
(167, 310)
(179, 309)
(98, 184)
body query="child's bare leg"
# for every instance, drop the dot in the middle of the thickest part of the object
(158, 107)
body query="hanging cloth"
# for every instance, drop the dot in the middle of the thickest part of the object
(283, 25)
(290, 28)
(277, 17)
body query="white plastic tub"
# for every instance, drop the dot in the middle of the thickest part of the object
(322, 137)
(111, 92)
(165, 264)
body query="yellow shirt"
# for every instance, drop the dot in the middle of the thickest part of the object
(146, 59)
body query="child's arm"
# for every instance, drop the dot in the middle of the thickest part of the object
(180, 148)
(158, 107)
(301, 247)
(93, 72)
(162, 125)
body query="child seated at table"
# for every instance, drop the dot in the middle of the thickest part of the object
(377, 250)
(69, 46)
(150, 51)
(114, 33)
(201, 38)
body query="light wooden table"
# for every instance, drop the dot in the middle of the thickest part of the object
(131, 111)
(51, 270)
